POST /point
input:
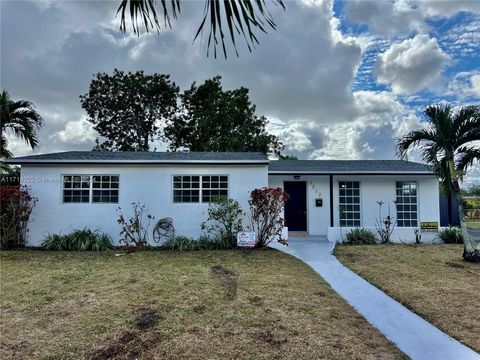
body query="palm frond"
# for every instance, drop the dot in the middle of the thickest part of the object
(21, 118)
(145, 11)
(463, 117)
(25, 129)
(241, 17)
(467, 125)
(432, 153)
(439, 117)
(414, 139)
(468, 156)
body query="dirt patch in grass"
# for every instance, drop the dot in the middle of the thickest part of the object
(199, 309)
(146, 318)
(271, 338)
(86, 306)
(256, 300)
(129, 345)
(228, 279)
(455, 265)
(431, 280)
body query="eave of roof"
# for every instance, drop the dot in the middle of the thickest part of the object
(344, 167)
(276, 167)
(141, 158)
(409, 172)
(134, 162)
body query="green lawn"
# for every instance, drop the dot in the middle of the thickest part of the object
(431, 280)
(159, 305)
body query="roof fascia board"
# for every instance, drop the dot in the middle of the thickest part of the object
(139, 162)
(350, 173)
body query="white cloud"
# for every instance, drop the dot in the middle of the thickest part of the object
(379, 118)
(465, 87)
(386, 17)
(80, 132)
(411, 65)
(475, 85)
(404, 17)
(301, 75)
(446, 8)
(295, 136)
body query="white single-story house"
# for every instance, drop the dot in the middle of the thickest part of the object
(80, 189)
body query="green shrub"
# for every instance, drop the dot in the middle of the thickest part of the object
(471, 203)
(183, 243)
(224, 219)
(451, 235)
(361, 236)
(55, 242)
(78, 240)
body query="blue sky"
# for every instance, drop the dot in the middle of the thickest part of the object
(337, 80)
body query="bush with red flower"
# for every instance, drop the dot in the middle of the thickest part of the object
(16, 206)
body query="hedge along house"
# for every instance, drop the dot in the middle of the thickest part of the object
(327, 197)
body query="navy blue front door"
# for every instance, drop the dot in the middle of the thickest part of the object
(296, 206)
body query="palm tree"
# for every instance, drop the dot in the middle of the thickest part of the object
(19, 118)
(450, 145)
(241, 17)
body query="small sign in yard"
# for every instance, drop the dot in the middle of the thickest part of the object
(429, 226)
(246, 239)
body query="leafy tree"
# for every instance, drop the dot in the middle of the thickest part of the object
(448, 145)
(287, 157)
(128, 108)
(20, 119)
(241, 16)
(213, 119)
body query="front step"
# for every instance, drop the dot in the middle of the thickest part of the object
(297, 234)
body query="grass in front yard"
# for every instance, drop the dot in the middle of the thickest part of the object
(158, 305)
(431, 280)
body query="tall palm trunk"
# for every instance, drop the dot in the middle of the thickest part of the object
(469, 251)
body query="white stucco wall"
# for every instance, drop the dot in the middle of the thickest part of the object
(373, 188)
(318, 218)
(149, 184)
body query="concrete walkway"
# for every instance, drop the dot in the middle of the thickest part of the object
(414, 336)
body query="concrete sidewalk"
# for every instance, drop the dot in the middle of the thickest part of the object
(414, 336)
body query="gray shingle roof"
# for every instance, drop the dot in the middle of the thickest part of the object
(140, 156)
(275, 166)
(347, 166)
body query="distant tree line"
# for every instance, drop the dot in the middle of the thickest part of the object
(131, 111)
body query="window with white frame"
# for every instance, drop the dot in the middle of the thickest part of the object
(349, 203)
(76, 188)
(213, 186)
(90, 188)
(406, 204)
(199, 188)
(105, 189)
(186, 189)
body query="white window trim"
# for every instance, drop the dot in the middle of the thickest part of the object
(90, 189)
(109, 189)
(360, 204)
(200, 189)
(417, 203)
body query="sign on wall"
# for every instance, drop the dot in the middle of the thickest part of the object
(429, 226)
(246, 239)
